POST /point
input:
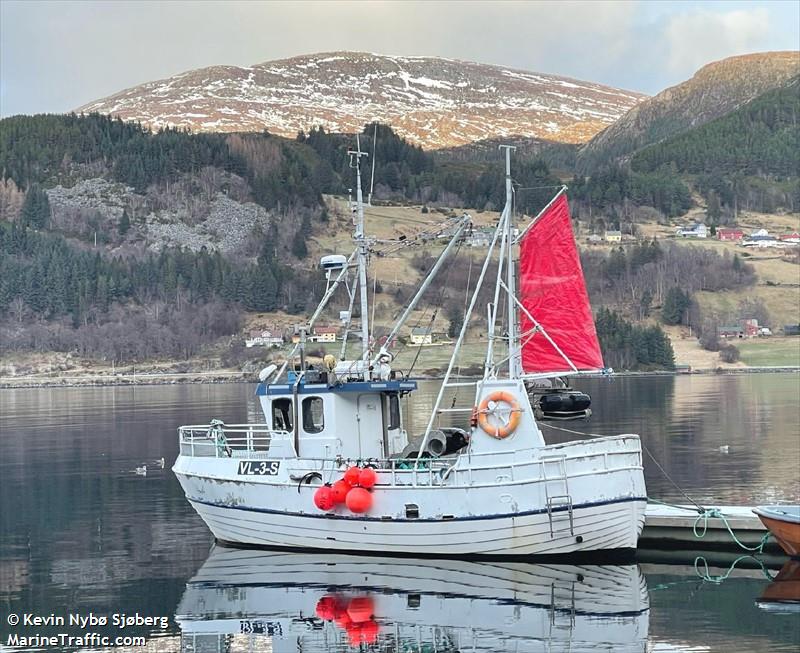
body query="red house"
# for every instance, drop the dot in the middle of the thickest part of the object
(793, 238)
(750, 326)
(730, 234)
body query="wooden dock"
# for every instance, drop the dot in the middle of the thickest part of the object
(673, 527)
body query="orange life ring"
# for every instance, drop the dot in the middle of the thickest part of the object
(499, 432)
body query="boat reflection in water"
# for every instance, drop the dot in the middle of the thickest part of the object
(246, 600)
(783, 593)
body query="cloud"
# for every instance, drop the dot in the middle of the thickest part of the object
(696, 38)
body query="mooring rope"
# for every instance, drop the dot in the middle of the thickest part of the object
(715, 512)
(706, 576)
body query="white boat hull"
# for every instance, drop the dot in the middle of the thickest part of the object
(505, 505)
(600, 528)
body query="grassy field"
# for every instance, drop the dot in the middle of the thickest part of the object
(770, 352)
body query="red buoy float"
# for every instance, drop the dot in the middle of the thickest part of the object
(358, 500)
(327, 607)
(339, 491)
(367, 477)
(351, 475)
(323, 498)
(360, 609)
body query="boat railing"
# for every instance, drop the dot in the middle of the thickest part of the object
(261, 441)
(229, 440)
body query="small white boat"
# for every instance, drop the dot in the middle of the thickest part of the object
(334, 468)
(255, 600)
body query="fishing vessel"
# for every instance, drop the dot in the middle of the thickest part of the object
(276, 601)
(333, 466)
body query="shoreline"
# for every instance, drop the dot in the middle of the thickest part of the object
(216, 378)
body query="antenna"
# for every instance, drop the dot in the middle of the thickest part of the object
(372, 181)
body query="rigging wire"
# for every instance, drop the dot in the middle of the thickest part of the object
(438, 304)
(394, 244)
(416, 325)
(466, 309)
(397, 218)
(372, 319)
(432, 320)
(700, 508)
(469, 277)
(518, 187)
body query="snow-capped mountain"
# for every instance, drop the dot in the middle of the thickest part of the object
(433, 102)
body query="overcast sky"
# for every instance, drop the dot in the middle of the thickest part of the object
(56, 56)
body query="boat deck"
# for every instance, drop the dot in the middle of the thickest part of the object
(673, 527)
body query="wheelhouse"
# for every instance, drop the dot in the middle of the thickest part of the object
(358, 420)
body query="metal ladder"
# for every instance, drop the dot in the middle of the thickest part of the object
(556, 490)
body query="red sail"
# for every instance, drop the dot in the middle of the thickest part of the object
(552, 290)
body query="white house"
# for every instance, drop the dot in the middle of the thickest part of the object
(482, 236)
(263, 338)
(479, 238)
(697, 230)
(324, 334)
(761, 238)
(613, 236)
(421, 336)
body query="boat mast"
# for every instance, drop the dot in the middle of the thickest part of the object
(361, 243)
(514, 359)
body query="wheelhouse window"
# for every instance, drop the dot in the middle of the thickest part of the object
(282, 418)
(394, 412)
(313, 415)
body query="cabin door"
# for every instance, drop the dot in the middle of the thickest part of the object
(370, 426)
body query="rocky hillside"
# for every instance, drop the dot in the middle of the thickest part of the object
(431, 101)
(715, 90)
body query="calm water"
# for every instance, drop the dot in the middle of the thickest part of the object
(80, 532)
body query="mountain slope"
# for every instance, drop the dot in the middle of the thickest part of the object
(759, 138)
(431, 101)
(715, 90)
